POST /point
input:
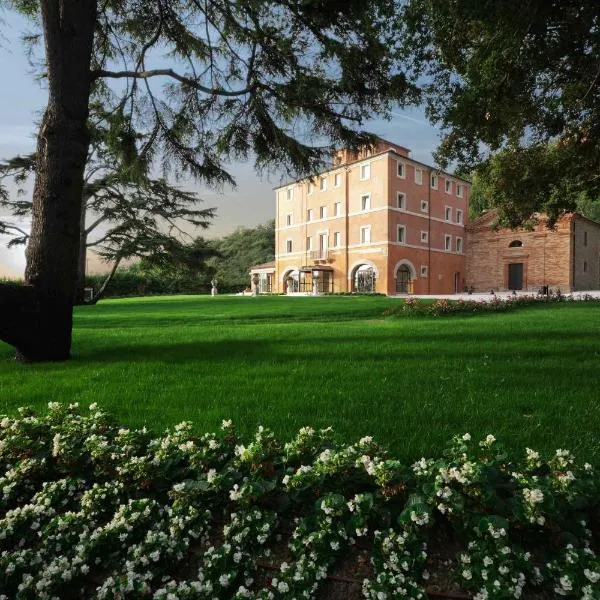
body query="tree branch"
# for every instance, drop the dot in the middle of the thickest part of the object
(170, 73)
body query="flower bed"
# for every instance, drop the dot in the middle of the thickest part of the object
(92, 510)
(494, 304)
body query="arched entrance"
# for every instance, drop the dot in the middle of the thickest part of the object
(403, 280)
(363, 279)
(291, 282)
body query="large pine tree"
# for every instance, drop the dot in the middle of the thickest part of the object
(195, 83)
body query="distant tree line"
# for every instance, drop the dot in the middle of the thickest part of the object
(191, 268)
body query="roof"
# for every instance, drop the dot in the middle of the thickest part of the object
(376, 155)
(489, 220)
(267, 265)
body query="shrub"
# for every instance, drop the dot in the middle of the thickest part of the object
(443, 306)
(93, 510)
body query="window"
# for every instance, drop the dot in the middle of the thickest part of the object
(401, 197)
(309, 243)
(337, 239)
(424, 206)
(401, 234)
(516, 244)
(424, 237)
(459, 216)
(448, 214)
(365, 202)
(585, 238)
(401, 170)
(459, 245)
(311, 187)
(309, 214)
(288, 220)
(323, 184)
(337, 180)
(424, 271)
(365, 172)
(434, 181)
(447, 243)
(323, 212)
(418, 176)
(459, 190)
(448, 186)
(584, 266)
(365, 235)
(337, 209)
(289, 246)
(289, 193)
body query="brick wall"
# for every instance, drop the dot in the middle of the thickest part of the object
(377, 177)
(545, 255)
(586, 254)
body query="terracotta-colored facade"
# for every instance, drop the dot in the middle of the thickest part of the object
(376, 221)
(566, 257)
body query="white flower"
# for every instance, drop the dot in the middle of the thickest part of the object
(487, 561)
(226, 424)
(533, 496)
(467, 574)
(93, 406)
(593, 576)
(211, 475)
(235, 494)
(283, 587)
(334, 545)
(566, 583)
(224, 580)
(239, 450)
(531, 454)
(366, 440)
(490, 439)
(466, 437)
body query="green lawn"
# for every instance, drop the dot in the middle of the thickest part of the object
(529, 376)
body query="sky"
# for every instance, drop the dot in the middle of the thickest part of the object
(252, 202)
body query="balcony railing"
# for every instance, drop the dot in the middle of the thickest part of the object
(318, 254)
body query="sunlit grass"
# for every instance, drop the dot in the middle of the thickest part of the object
(529, 376)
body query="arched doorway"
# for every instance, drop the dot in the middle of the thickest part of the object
(363, 279)
(291, 282)
(403, 280)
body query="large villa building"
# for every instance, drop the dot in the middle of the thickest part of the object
(379, 221)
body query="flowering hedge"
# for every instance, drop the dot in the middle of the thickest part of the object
(493, 304)
(92, 510)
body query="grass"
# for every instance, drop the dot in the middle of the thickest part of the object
(528, 376)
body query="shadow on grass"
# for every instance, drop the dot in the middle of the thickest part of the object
(415, 347)
(274, 311)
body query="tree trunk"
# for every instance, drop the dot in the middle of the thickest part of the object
(62, 149)
(81, 260)
(98, 295)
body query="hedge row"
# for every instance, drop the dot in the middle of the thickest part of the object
(132, 283)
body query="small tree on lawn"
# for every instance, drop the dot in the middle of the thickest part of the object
(126, 213)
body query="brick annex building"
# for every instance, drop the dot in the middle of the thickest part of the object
(566, 257)
(379, 221)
